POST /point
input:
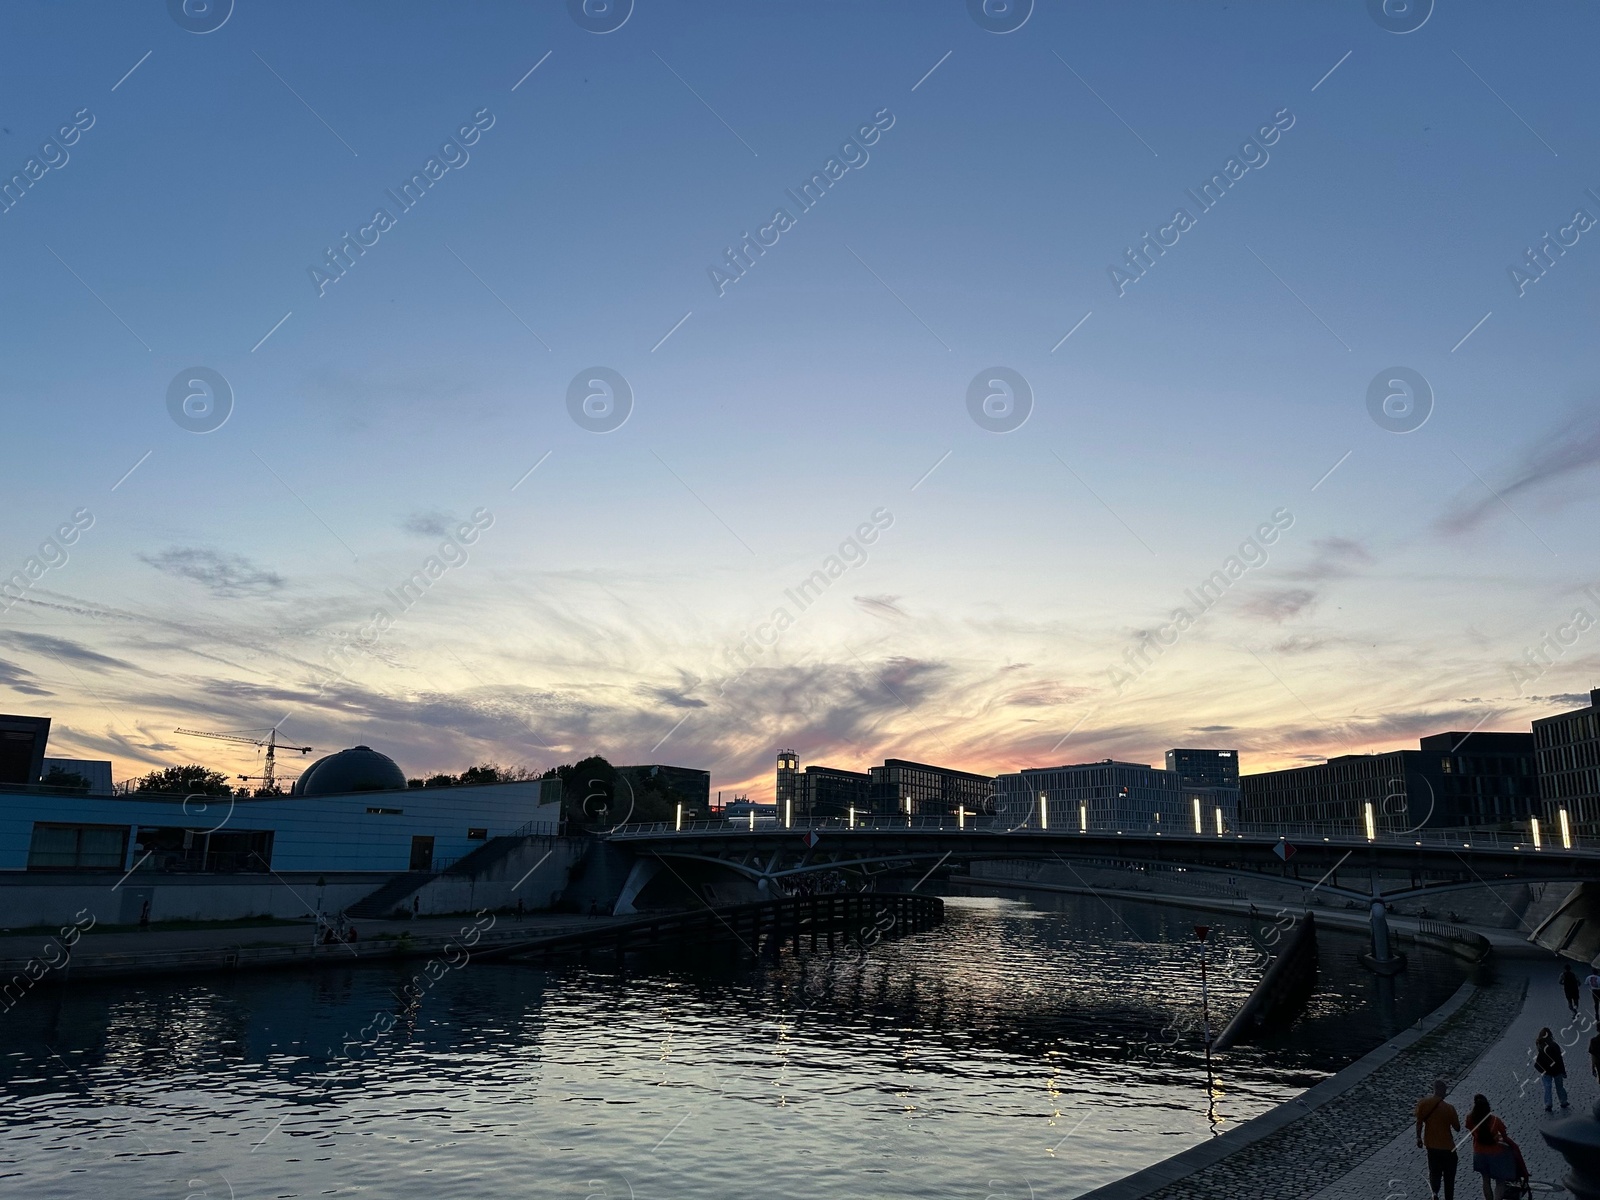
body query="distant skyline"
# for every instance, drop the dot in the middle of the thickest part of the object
(475, 384)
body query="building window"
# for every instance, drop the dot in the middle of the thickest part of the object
(77, 847)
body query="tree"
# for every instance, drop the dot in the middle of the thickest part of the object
(190, 780)
(589, 794)
(439, 781)
(67, 781)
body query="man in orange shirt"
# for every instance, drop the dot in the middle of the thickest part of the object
(1437, 1124)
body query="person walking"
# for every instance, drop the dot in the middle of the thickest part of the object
(1569, 987)
(1593, 983)
(1548, 1062)
(1493, 1155)
(1437, 1123)
(1594, 1057)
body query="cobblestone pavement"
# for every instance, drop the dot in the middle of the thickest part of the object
(1398, 1171)
(1313, 1157)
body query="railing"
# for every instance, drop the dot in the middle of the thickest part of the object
(1460, 839)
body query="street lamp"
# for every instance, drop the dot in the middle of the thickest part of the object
(788, 812)
(1044, 813)
(1537, 844)
(1372, 827)
(1199, 826)
(1083, 818)
(1220, 830)
(678, 823)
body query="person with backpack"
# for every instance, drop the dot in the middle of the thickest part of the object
(1552, 1069)
(1437, 1125)
(1494, 1154)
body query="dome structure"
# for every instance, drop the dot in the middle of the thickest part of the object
(358, 769)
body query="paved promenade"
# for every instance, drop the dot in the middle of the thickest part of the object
(1398, 1171)
(154, 951)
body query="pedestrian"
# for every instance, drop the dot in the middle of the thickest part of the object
(1569, 987)
(1437, 1124)
(1492, 1154)
(1594, 1057)
(416, 905)
(144, 916)
(1594, 990)
(519, 908)
(1548, 1062)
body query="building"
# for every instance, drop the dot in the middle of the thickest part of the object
(898, 786)
(22, 741)
(1451, 780)
(349, 826)
(1567, 748)
(1103, 795)
(919, 789)
(1205, 768)
(1209, 778)
(684, 785)
(818, 791)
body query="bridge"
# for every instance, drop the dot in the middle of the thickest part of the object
(1421, 862)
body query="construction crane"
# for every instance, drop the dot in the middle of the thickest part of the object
(268, 776)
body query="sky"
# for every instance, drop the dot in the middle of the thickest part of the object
(1005, 443)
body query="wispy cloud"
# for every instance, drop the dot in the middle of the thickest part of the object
(1335, 558)
(881, 606)
(1278, 604)
(20, 679)
(1559, 454)
(62, 648)
(224, 574)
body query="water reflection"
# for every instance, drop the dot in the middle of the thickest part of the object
(1025, 1050)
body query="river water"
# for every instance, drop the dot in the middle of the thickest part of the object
(1027, 1048)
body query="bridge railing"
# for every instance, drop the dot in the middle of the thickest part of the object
(1462, 838)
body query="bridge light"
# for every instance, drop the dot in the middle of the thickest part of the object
(752, 820)
(961, 817)
(1199, 826)
(1372, 827)
(788, 812)
(852, 816)
(1537, 843)
(678, 823)
(1219, 822)
(1566, 832)
(1083, 818)
(1044, 812)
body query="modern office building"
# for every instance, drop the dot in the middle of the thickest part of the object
(687, 784)
(819, 791)
(1453, 779)
(1205, 768)
(1102, 795)
(919, 789)
(1210, 778)
(1567, 748)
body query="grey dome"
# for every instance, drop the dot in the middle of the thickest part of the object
(359, 769)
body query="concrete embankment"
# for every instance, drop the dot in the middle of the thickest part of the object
(1465, 941)
(30, 960)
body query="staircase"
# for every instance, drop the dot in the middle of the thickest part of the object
(388, 897)
(400, 888)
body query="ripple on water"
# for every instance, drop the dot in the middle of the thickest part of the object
(1020, 1050)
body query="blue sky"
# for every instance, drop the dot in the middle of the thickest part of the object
(602, 608)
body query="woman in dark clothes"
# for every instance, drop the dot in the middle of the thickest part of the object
(1552, 1068)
